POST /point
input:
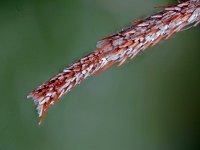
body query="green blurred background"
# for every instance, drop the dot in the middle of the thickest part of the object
(151, 103)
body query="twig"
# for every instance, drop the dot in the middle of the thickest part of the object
(116, 49)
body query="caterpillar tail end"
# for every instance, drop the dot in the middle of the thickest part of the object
(41, 105)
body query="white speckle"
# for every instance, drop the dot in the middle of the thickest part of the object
(69, 88)
(148, 38)
(53, 94)
(129, 51)
(40, 98)
(30, 95)
(103, 62)
(156, 16)
(66, 70)
(84, 58)
(170, 8)
(156, 35)
(117, 42)
(48, 94)
(141, 39)
(84, 72)
(102, 43)
(138, 46)
(178, 8)
(61, 78)
(172, 25)
(78, 78)
(44, 100)
(143, 24)
(40, 109)
(165, 27)
(194, 16)
(63, 91)
(113, 57)
(183, 4)
(178, 22)
(89, 68)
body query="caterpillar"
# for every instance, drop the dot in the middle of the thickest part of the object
(116, 49)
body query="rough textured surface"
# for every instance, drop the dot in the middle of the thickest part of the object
(116, 49)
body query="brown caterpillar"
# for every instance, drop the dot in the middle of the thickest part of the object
(117, 48)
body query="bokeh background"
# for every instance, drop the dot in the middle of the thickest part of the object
(151, 103)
